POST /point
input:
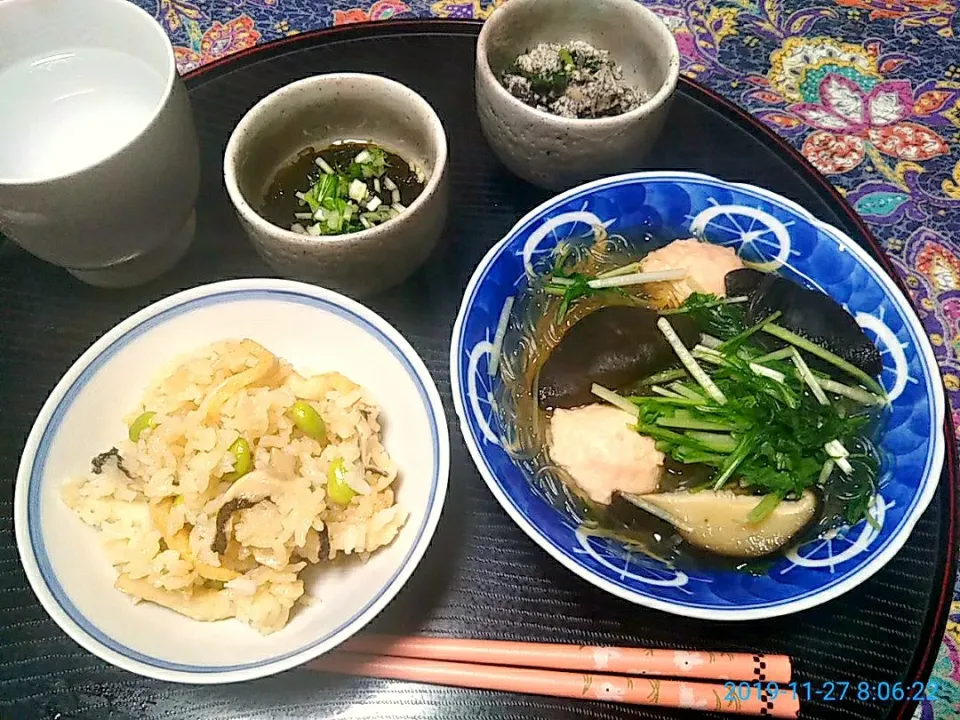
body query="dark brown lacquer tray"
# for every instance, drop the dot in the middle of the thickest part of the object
(482, 577)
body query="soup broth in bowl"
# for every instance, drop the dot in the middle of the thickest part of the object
(690, 457)
(697, 396)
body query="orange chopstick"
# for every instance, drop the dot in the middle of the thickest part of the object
(613, 688)
(746, 667)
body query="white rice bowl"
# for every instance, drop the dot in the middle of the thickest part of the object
(376, 540)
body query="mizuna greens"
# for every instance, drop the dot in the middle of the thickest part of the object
(765, 422)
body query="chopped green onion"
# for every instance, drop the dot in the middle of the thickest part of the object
(358, 190)
(325, 166)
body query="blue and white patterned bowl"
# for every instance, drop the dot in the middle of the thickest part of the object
(762, 227)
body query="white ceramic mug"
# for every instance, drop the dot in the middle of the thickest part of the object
(99, 166)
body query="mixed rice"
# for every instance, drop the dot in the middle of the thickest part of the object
(237, 474)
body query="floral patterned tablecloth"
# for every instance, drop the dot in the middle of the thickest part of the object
(869, 90)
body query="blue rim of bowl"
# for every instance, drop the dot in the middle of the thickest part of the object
(754, 611)
(37, 469)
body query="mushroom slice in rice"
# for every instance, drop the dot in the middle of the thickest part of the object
(246, 492)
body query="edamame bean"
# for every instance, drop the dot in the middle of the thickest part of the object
(337, 488)
(143, 421)
(309, 421)
(244, 460)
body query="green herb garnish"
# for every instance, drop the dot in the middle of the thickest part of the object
(350, 196)
(715, 316)
(571, 286)
(771, 437)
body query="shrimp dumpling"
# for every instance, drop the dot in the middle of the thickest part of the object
(598, 447)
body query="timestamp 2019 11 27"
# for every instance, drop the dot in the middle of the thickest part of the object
(834, 690)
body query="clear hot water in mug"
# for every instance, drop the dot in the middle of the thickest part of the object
(65, 111)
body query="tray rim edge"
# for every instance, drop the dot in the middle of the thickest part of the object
(922, 664)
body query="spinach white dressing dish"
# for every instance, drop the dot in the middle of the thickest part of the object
(573, 79)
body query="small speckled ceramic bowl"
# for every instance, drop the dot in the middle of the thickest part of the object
(316, 112)
(556, 152)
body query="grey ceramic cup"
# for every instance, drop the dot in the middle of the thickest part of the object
(316, 112)
(555, 152)
(124, 217)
